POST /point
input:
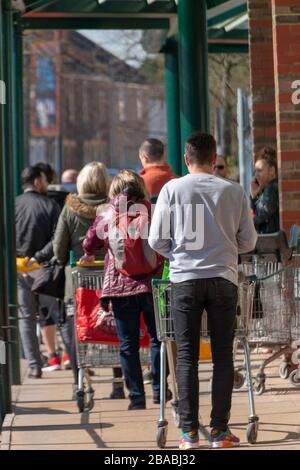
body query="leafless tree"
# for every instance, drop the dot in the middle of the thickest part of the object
(227, 72)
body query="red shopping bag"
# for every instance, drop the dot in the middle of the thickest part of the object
(93, 326)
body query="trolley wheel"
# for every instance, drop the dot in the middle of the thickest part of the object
(284, 370)
(90, 404)
(175, 414)
(161, 436)
(294, 378)
(239, 380)
(252, 431)
(259, 387)
(80, 401)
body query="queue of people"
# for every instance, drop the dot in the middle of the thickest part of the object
(201, 223)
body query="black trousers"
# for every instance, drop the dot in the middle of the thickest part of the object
(188, 300)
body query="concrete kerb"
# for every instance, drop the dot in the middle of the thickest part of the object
(6, 430)
(5, 437)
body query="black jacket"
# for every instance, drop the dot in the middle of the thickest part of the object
(266, 209)
(57, 194)
(36, 219)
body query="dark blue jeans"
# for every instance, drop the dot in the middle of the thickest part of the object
(188, 300)
(127, 311)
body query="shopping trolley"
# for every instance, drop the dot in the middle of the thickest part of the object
(275, 321)
(90, 353)
(165, 333)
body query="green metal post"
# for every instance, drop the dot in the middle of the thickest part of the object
(9, 196)
(109, 22)
(19, 104)
(5, 389)
(193, 68)
(173, 104)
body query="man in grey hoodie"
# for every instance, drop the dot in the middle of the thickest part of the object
(201, 223)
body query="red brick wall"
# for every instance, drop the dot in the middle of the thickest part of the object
(91, 127)
(286, 43)
(262, 73)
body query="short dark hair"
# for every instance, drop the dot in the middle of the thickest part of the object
(269, 155)
(153, 148)
(29, 174)
(201, 148)
(47, 169)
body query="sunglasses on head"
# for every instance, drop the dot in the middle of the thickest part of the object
(219, 167)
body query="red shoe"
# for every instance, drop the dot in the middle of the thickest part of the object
(66, 361)
(53, 364)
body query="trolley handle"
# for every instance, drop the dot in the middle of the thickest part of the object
(85, 264)
(157, 282)
(269, 276)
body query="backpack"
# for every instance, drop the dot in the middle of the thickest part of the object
(128, 240)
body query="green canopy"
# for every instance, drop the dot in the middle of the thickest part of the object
(227, 21)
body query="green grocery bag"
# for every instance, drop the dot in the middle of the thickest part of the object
(163, 287)
(166, 271)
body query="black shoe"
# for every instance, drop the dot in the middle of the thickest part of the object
(117, 394)
(44, 360)
(74, 391)
(137, 405)
(34, 373)
(156, 398)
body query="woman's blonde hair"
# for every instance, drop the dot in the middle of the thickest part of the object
(129, 181)
(93, 179)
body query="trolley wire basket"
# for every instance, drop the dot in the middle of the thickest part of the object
(90, 353)
(275, 321)
(166, 334)
(93, 354)
(275, 318)
(164, 318)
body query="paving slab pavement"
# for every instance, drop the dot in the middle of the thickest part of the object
(45, 416)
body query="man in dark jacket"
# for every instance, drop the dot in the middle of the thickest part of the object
(54, 191)
(36, 218)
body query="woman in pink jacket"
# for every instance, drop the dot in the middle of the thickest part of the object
(130, 265)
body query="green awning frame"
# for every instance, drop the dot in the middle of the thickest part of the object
(227, 21)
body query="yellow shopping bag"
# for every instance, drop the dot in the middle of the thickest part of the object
(22, 265)
(205, 349)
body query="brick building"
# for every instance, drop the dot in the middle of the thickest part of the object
(82, 103)
(274, 42)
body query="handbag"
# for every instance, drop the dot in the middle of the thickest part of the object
(50, 280)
